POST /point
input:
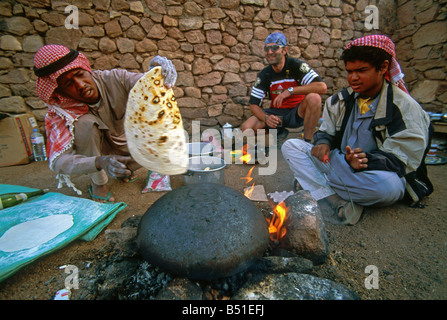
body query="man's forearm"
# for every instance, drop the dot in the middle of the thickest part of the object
(74, 164)
(314, 87)
(258, 112)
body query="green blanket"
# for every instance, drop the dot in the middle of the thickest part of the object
(46, 223)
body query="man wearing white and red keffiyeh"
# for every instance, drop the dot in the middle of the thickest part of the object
(372, 141)
(85, 119)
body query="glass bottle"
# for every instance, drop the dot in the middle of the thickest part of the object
(11, 199)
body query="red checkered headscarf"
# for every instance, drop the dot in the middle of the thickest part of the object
(394, 73)
(50, 62)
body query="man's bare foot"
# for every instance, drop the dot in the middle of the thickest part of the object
(100, 193)
(130, 178)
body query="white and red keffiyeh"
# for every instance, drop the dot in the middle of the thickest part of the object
(47, 84)
(50, 62)
(62, 111)
(395, 74)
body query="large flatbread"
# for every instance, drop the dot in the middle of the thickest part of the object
(31, 234)
(154, 126)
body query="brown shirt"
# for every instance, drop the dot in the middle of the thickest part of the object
(114, 87)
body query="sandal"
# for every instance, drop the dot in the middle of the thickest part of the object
(349, 212)
(129, 178)
(94, 196)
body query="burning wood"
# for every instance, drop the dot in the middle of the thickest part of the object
(256, 193)
(276, 223)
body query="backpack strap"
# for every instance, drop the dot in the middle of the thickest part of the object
(349, 100)
(418, 182)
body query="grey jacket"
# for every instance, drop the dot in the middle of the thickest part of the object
(400, 127)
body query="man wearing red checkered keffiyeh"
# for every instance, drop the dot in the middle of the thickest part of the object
(63, 111)
(374, 134)
(85, 119)
(394, 73)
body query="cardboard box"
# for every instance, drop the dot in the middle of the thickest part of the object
(15, 144)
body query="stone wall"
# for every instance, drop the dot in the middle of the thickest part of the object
(421, 45)
(216, 45)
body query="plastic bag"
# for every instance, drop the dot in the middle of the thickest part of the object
(157, 182)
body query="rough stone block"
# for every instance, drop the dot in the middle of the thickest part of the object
(306, 231)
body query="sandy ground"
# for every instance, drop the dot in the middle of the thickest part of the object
(407, 246)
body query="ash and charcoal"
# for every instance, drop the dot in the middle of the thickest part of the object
(145, 283)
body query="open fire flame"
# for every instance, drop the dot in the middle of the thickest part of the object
(276, 223)
(248, 192)
(246, 157)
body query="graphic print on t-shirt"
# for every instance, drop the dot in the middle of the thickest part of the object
(295, 73)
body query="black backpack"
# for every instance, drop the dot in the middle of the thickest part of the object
(418, 183)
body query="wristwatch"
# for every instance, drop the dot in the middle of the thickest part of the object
(265, 118)
(290, 90)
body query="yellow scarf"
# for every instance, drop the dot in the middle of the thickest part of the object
(364, 105)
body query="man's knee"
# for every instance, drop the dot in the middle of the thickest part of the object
(313, 100)
(245, 126)
(251, 123)
(292, 146)
(311, 105)
(285, 148)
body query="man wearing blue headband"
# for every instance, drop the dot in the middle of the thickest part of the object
(293, 87)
